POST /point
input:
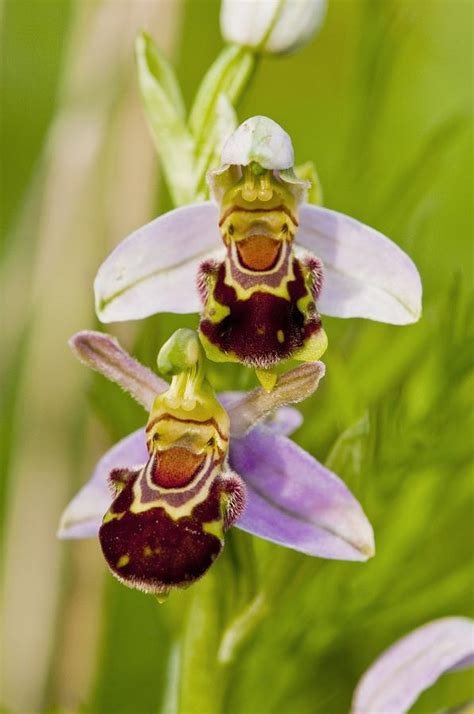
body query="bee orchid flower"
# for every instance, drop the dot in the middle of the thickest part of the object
(170, 491)
(268, 263)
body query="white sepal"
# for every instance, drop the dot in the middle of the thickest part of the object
(155, 268)
(365, 273)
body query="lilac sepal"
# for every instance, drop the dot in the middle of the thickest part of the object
(295, 501)
(284, 421)
(398, 677)
(465, 663)
(365, 273)
(83, 515)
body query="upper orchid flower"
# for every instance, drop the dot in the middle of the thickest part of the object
(259, 290)
(174, 487)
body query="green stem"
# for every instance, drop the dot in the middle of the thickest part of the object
(198, 680)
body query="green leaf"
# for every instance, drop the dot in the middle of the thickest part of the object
(229, 75)
(165, 113)
(221, 124)
(346, 455)
(213, 116)
(242, 628)
(162, 71)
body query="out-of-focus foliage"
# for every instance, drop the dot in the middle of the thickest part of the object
(380, 101)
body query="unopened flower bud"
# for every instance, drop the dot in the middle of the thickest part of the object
(271, 26)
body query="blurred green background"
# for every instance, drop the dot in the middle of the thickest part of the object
(381, 101)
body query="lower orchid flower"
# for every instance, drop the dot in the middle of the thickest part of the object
(262, 292)
(170, 491)
(397, 678)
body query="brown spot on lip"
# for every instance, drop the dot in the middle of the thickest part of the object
(176, 467)
(258, 252)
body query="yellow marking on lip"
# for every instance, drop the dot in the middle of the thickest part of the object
(313, 348)
(174, 512)
(148, 552)
(123, 561)
(214, 528)
(214, 310)
(110, 516)
(244, 293)
(267, 378)
(280, 336)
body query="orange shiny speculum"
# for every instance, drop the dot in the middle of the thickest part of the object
(176, 467)
(258, 252)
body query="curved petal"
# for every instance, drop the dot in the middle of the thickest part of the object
(83, 516)
(257, 405)
(397, 678)
(295, 501)
(284, 421)
(105, 355)
(365, 273)
(155, 268)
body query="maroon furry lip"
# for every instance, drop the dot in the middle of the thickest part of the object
(259, 252)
